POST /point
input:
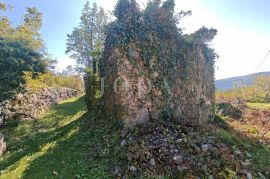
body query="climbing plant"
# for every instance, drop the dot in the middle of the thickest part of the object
(154, 35)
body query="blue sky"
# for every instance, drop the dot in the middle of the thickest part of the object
(243, 28)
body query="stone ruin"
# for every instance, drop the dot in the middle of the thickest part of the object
(152, 71)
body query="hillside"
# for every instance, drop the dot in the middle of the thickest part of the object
(230, 83)
(68, 142)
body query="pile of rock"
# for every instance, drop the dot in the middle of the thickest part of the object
(158, 148)
(29, 104)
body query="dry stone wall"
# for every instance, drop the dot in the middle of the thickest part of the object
(29, 104)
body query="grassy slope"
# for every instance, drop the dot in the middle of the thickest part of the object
(67, 143)
(242, 137)
(63, 144)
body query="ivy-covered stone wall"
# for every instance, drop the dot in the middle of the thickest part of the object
(152, 71)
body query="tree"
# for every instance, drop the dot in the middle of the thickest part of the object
(29, 30)
(21, 49)
(69, 71)
(16, 57)
(85, 43)
(126, 9)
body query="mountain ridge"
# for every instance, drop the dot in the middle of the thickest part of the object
(238, 81)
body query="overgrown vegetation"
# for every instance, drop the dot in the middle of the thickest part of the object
(73, 142)
(258, 92)
(85, 43)
(70, 143)
(65, 143)
(149, 44)
(15, 58)
(23, 58)
(37, 81)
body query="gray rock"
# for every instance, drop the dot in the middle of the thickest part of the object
(178, 159)
(205, 147)
(123, 143)
(124, 133)
(132, 168)
(19, 96)
(246, 163)
(153, 162)
(249, 176)
(238, 152)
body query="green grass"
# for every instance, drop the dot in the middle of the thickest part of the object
(66, 143)
(260, 154)
(259, 105)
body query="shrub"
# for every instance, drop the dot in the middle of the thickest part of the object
(227, 109)
(15, 58)
(258, 92)
(37, 81)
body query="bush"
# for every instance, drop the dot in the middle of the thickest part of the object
(92, 90)
(37, 81)
(15, 58)
(227, 109)
(258, 92)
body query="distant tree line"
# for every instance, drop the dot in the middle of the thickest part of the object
(259, 91)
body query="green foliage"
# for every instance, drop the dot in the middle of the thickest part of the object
(37, 81)
(21, 50)
(92, 90)
(63, 144)
(227, 109)
(28, 31)
(260, 154)
(126, 9)
(258, 92)
(85, 43)
(66, 144)
(259, 105)
(15, 58)
(155, 35)
(202, 35)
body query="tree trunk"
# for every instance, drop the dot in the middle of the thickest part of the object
(94, 66)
